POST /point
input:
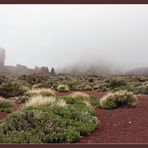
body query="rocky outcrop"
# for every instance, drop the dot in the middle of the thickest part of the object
(19, 69)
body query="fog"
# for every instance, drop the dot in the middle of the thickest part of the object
(70, 37)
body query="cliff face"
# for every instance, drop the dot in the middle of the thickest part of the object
(19, 69)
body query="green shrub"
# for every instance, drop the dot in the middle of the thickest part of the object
(22, 99)
(5, 104)
(41, 85)
(11, 89)
(63, 88)
(33, 78)
(104, 89)
(24, 84)
(96, 87)
(80, 95)
(94, 101)
(72, 85)
(118, 99)
(87, 87)
(141, 90)
(79, 104)
(40, 91)
(49, 124)
(46, 93)
(6, 110)
(117, 82)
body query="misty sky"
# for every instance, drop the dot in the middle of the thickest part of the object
(61, 35)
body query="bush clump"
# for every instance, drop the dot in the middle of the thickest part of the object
(117, 82)
(82, 97)
(63, 88)
(42, 91)
(6, 110)
(94, 101)
(41, 85)
(5, 104)
(141, 90)
(11, 89)
(33, 78)
(49, 122)
(22, 99)
(118, 99)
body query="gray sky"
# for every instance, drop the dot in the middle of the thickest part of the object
(61, 35)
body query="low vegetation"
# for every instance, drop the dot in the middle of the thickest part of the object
(52, 120)
(118, 99)
(41, 91)
(5, 105)
(48, 118)
(22, 99)
(63, 88)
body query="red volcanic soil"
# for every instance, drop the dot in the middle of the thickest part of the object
(122, 125)
(3, 115)
(14, 107)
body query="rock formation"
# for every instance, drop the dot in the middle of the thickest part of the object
(19, 69)
(2, 59)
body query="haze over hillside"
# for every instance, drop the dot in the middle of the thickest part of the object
(76, 38)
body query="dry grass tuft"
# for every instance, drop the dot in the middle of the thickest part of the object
(39, 100)
(41, 91)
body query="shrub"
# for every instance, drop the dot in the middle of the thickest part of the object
(94, 101)
(96, 87)
(104, 89)
(49, 123)
(36, 101)
(6, 110)
(63, 88)
(87, 87)
(82, 97)
(41, 91)
(72, 85)
(22, 99)
(141, 90)
(41, 85)
(24, 84)
(47, 93)
(117, 82)
(118, 99)
(39, 100)
(33, 78)
(5, 104)
(11, 89)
